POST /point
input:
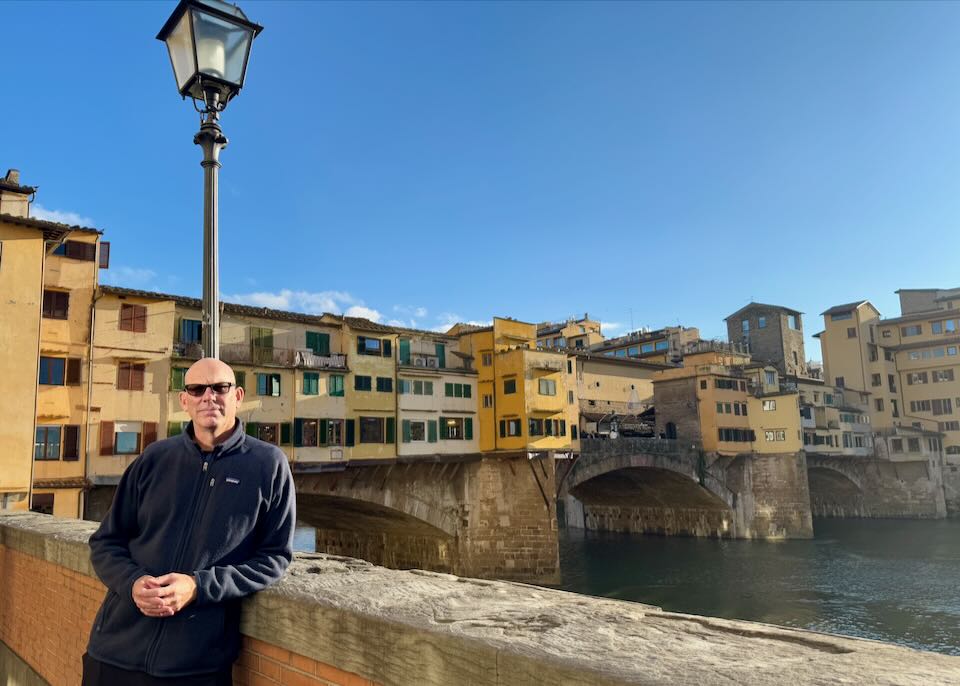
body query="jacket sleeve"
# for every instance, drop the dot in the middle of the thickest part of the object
(109, 545)
(272, 557)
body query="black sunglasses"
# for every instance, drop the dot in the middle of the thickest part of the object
(198, 389)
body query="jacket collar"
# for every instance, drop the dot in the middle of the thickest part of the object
(234, 443)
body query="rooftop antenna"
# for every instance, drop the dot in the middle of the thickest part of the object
(631, 319)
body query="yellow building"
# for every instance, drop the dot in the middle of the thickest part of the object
(725, 403)
(834, 421)
(371, 423)
(436, 395)
(909, 365)
(572, 334)
(664, 346)
(523, 392)
(24, 247)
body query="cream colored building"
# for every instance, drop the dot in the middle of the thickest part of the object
(614, 393)
(664, 346)
(436, 395)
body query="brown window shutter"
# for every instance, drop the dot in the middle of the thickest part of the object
(136, 377)
(149, 434)
(139, 318)
(90, 252)
(126, 317)
(73, 371)
(71, 442)
(123, 376)
(104, 254)
(106, 438)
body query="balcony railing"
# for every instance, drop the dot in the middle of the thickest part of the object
(547, 365)
(244, 353)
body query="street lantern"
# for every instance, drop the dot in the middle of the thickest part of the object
(209, 43)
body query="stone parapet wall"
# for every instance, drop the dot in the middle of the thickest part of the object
(349, 623)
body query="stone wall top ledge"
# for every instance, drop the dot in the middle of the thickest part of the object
(415, 627)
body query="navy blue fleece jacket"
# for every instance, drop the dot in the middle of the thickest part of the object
(226, 517)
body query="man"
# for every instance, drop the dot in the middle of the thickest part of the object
(198, 521)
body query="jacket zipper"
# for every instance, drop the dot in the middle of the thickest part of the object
(181, 549)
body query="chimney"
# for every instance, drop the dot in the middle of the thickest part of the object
(13, 176)
(15, 202)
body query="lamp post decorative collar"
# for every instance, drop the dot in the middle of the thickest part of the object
(209, 45)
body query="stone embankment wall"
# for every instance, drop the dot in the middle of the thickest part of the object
(347, 622)
(868, 487)
(773, 497)
(951, 489)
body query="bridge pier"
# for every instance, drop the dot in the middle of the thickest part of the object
(492, 516)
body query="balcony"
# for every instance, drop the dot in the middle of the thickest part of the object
(546, 364)
(245, 353)
(422, 361)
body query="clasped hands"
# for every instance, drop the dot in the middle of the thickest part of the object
(164, 596)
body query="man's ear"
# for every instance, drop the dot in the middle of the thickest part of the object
(239, 392)
(183, 400)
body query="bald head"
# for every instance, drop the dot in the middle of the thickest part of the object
(214, 415)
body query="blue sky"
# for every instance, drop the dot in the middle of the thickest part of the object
(425, 163)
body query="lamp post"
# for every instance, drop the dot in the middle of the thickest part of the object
(209, 44)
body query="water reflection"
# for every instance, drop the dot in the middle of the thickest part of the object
(890, 580)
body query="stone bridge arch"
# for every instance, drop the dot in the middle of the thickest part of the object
(836, 486)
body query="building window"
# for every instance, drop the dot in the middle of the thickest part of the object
(913, 445)
(334, 432)
(133, 318)
(548, 387)
(535, 427)
(793, 322)
(941, 375)
(130, 376)
(894, 408)
(896, 445)
(306, 433)
(892, 383)
(771, 378)
(876, 380)
(178, 378)
(371, 430)
(841, 315)
(509, 427)
(509, 386)
(457, 390)
(452, 428)
(726, 384)
(569, 397)
(915, 378)
(42, 503)
(362, 383)
(646, 347)
(311, 383)
(769, 405)
(488, 400)
(417, 431)
(268, 384)
(191, 331)
(318, 343)
(761, 322)
(839, 382)
(126, 438)
(384, 384)
(878, 404)
(851, 332)
(47, 443)
(486, 359)
(745, 326)
(913, 330)
(703, 384)
(52, 371)
(775, 435)
(335, 385)
(373, 346)
(269, 433)
(56, 304)
(942, 406)
(732, 435)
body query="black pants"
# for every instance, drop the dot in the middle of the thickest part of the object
(96, 673)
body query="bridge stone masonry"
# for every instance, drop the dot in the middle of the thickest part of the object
(646, 485)
(336, 621)
(487, 516)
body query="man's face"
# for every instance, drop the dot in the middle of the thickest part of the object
(212, 410)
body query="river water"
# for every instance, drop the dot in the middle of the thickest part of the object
(890, 580)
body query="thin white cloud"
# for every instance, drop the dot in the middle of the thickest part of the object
(129, 277)
(59, 216)
(609, 327)
(300, 301)
(365, 312)
(410, 311)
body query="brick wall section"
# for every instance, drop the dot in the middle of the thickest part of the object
(676, 401)
(46, 612)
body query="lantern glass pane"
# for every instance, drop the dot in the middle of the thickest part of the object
(181, 51)
(221, 47)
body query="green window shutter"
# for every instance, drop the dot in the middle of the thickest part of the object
(466, 390)
(457, 390)
(177, 375)
(241, 379)
(336, 385)
(503, 428)
(312, 340)
(349, 440)
(443, 428)
(404, 351)
(448, 390)
(563, 428)
(311, 383)
(250, 428)
(361, 345)
(391, 430)
(428, 388)
(261, 384)
(441, 355)
(385, 347)
(405, 428)
(468, 428)
(297, 432)
(174, 429)
(285, 433)
(322, 438)
(432, 431)
(323, 344)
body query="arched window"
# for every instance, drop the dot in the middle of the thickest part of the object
(671, 430)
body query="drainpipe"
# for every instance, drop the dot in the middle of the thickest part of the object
(87, 414)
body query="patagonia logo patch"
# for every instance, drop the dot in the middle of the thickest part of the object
(231, 480)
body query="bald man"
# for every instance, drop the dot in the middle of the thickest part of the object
(198, 522)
